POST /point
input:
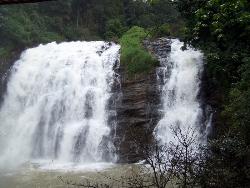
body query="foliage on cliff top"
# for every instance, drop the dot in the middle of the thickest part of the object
(221, 29)
(133, 55)
(26, 25)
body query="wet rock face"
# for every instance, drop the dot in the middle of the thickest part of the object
(137, 109)
(5, 70)
(159, 47)
(136, 113)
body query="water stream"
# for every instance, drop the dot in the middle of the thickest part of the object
(55, 108)
(55, 113)
(179, 78)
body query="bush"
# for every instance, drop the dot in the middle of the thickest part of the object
(162, 31)
(114, 29)
(4, 52)
(133, 55)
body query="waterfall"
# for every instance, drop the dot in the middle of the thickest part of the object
(56, 104)
(179, 77)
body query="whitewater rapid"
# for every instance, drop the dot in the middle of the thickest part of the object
(56, 104)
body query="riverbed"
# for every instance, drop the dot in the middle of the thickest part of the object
(61, 176)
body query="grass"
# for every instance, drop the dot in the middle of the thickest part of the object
(133, 55)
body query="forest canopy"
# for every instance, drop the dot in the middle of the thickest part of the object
(26, 25)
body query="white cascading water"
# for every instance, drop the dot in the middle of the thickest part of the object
(180, 74)
(55, 107)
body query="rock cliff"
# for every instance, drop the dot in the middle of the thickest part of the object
(137, 107)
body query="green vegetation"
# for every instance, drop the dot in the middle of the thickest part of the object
(221, 28)
(24, 26)
(133, 54)
(114, 29)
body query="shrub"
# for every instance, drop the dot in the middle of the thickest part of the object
(133, 55)
(114, 29)
(162, 31)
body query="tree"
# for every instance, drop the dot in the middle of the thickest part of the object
(221, 29)
(177, 163)
(225, 163)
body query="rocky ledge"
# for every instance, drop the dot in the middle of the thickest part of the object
(137, 107)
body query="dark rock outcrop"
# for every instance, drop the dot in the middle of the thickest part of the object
(5, 70)
(211, 98)
(137, 108)
(159, 48)
(136, 112)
